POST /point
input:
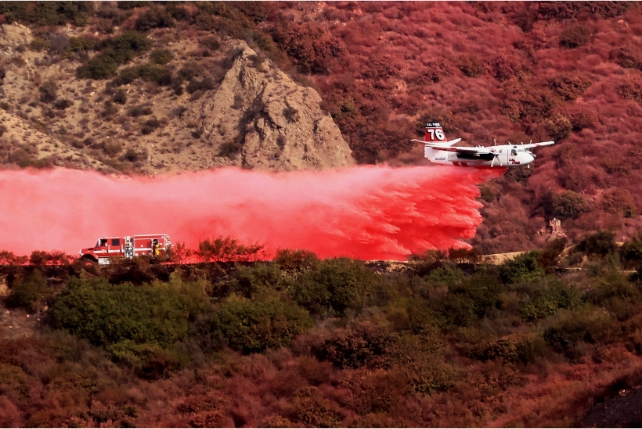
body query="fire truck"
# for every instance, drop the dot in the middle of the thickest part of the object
(108, 248)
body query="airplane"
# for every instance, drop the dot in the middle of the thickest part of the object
(440, 151)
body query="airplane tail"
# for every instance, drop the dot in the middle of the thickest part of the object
(434, 139)
(435, 133)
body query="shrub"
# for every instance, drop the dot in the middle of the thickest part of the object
(140, 110)
(196, 85)
(576, 329)
(601, 243)
(570, 86)
(548, 256)
(190, 70)
(619, 201)
(470, 65)
(363, 344)
(106, 314)
(558, 127)
(295, 260)
(115, 51)
(149, 360)
(132, 155)
(227, 249)
(549, 297)
(612, 289)
(210, 42)
(253, 327)
(624, 57)
(120, 96)
(161, 56)
(247, 281)
(48, 91)
(112, 148)
(228, 149)
(514, 348)
(25, 293)
(568, 205)
(574, 36)
(154, 18)
(523, 268)
(149, 126)
(334, 285)
(63, 103)
(454, 310)
(631, 251)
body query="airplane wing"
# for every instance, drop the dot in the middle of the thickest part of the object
(473, 150)
(532, 145)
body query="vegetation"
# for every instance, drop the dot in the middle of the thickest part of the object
(332, 340)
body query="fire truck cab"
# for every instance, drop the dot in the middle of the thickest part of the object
(126, 247)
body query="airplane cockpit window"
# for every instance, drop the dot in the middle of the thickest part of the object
(513, 152)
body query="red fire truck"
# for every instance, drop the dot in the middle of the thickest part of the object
(126, 247)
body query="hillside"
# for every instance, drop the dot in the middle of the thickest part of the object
(213, 84)
(304, 342)
(234, 109)
(505, 71)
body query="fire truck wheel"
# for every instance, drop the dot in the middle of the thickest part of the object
(88, 260)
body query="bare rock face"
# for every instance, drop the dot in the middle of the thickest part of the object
(259, 118)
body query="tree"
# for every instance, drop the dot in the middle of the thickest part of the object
(569, 204)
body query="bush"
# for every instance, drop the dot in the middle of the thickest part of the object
(570, 86)
(624, 57)
(253, 327)
(196, 85)
(48, 91)
(548, 257)
(25, 293)
(228, 149)
(470, 65)
(227, 249)
(149, 126)
(631, 251)
(210, 42)
(247, 281)
(619, 201)
(568, 205)
(333, 286)
(115, 51)
(120, 96)
(161, 56)
(521, 269)
(577, 329)
(190, 70)
(558, 127)
(140, 110)
(363, 344)
(106, 314)
(295, 260)
(601, 243)
(112, 148)
(154, 18)
(549, 297)
(574, 36)
(63, 103)
(514, 348)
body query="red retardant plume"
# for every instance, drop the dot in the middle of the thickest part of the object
(364, 212)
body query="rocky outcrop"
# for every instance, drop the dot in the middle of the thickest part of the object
(260, 118)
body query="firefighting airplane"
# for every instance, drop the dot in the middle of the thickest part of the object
(440, 151)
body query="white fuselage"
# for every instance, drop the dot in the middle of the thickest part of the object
(507, 156)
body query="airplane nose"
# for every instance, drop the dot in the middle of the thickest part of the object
(528, 158)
